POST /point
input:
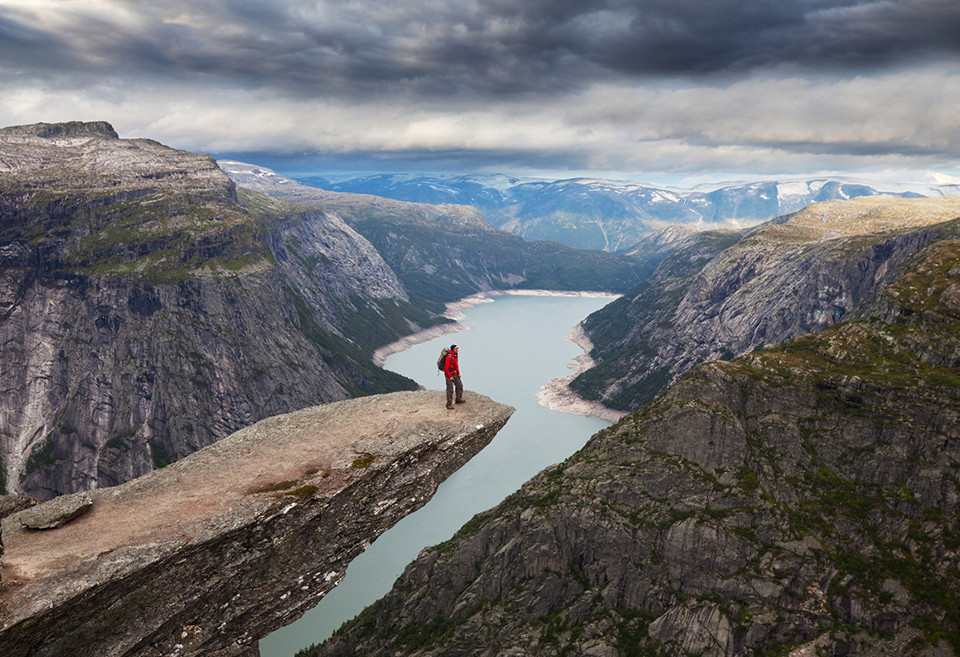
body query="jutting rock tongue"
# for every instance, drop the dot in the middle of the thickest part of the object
(213, 552)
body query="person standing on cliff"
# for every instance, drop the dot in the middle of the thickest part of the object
(451, 369)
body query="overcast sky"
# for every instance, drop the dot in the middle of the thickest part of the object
(660, 90)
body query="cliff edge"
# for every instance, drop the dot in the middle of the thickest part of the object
(209, 554)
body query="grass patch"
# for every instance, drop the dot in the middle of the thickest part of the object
(303, 492)
(42, 456)
(363, 461)
(160, 455)
(276, 487)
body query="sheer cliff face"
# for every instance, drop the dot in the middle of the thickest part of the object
(723, 294)
(798, 500)
(144, 313)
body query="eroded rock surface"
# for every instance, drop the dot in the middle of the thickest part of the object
(207, 555)
(57, 512)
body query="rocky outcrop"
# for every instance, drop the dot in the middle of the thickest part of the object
(801, 499)
(723, 294)
(209, 554)
(144, 313)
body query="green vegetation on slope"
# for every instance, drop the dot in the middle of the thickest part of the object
(442, 264)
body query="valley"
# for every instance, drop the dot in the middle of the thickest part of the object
(798, 499)
(150, 307)
(782, 481)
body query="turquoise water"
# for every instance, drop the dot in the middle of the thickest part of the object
(514, 345)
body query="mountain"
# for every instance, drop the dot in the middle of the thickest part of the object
(610, 215)
(145, 312)
(481, 192)
(443, 253)
(800, 499)
(149, 306)
(720, 294)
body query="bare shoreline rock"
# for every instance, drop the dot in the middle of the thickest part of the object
(556, 394)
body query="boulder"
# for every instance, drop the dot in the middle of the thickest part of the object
(57, 512)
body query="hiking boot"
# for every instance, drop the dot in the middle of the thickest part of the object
(461, 401)
(450, 406)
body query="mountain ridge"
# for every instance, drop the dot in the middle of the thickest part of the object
(799, 499)
(443, 253)
(723, 294)
(612, 215)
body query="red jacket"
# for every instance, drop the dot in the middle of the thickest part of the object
(451, 365)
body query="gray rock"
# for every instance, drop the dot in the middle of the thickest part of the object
(145, 313)
(10, 504)
(57, 512)
(724, 294)
(207, 555)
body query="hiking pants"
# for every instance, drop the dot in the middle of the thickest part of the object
(451, 383)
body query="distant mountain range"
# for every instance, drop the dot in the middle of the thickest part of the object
(610, 215)
(444, 252)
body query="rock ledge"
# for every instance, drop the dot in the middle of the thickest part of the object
(209, 554)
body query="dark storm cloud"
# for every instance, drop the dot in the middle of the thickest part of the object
(26, 49)
(598, 85)
(460, 48)
(683, 37)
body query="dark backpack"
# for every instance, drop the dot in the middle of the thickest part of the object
(442, 361)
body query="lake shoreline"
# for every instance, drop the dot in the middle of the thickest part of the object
(556, 394)
(513, 348)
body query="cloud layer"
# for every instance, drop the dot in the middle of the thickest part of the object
(682, 86)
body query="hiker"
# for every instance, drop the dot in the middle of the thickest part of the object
(451, 370)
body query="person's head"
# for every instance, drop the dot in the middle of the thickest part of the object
(453, 348)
